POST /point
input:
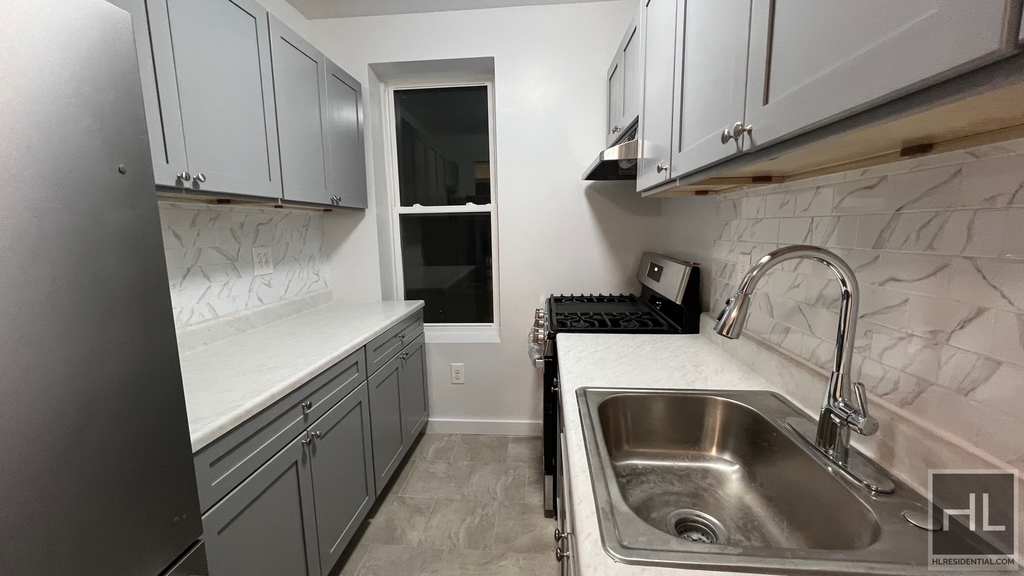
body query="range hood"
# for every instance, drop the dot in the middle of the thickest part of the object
(616, 163)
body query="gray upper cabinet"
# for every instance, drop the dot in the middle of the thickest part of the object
(300, 94)
(659, 40)
(712, 57)
(624, 83)
(223, 71)
(163, 115)
(346, 160)
(386, 421)
(813, 61)
(266, 525)
(343, 483)
(412, 379)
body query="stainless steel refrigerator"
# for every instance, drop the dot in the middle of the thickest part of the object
(96, 474)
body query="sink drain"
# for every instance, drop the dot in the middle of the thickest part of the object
(695, 526)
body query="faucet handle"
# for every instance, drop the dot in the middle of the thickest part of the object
(860, 420)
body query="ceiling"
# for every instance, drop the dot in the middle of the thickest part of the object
(316, 9)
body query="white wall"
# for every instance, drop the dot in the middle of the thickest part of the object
(556, 233)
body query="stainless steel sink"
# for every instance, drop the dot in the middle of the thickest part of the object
(719, 480)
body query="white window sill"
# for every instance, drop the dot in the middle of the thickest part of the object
(449, 334)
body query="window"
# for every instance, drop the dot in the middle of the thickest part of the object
(443, 211)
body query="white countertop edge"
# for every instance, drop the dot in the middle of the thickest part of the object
(207, 431)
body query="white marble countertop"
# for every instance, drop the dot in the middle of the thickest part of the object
(632, 361)
(230, 380)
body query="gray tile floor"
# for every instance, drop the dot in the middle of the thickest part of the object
(460, 505)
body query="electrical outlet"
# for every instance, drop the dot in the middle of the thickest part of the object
(458, 373)
(262, 261)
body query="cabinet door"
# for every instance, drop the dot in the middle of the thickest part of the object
(712, 61)
(614, 99)
(300, 93)
(266, 526)
(412, 378)
(386, 421)
(659, 40)
(625, 79)
(159, 88)
(346, 160)
(222, 59)
(814, 61)
(342, 473)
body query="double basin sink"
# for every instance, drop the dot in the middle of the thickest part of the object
(719, 480)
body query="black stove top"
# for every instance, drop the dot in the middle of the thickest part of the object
(612, 313)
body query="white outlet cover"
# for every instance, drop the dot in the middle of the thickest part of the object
(458, 373)
(262, 261)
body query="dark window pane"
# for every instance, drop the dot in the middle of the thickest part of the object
(446, 260)
(443, 146)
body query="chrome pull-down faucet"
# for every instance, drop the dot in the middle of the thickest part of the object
(839, 413)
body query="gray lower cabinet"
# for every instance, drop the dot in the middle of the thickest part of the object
(386, 421)
(343, 483)
(412, 378)
(266, 526)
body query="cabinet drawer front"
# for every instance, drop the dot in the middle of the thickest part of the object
(229, 460)
(266, 526)
(384, 347)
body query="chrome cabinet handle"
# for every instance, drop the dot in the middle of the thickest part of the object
(307, 406)
(737, 132)
(404, 355)
(662, 168)
(317, 435)
(184, 176)
(559, 535)
(561, 555)
(335, 200)
(307, 440)
(615, 129)
(200, 177)
(401, 336)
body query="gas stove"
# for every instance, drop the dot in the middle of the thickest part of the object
(669, 303)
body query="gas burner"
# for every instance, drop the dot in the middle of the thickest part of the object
(580, 321)
(634, 321)
(592, 299)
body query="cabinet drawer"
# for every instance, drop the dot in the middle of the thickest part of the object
(386, 346)
(230, 459)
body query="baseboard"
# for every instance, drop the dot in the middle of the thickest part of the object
(495, 427)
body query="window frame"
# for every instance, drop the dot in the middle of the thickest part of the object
(443, 332)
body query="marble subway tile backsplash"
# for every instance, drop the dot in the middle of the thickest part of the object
(209, 257)
(938, 248)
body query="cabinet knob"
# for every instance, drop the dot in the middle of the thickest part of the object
(307, 406)
(307, 440)
(662, 168)
(559, 535)
(317, 435)
(184, 176)
(200, 177)
(404, 355)
(615, 129)
(737, 131)
(561, 555)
